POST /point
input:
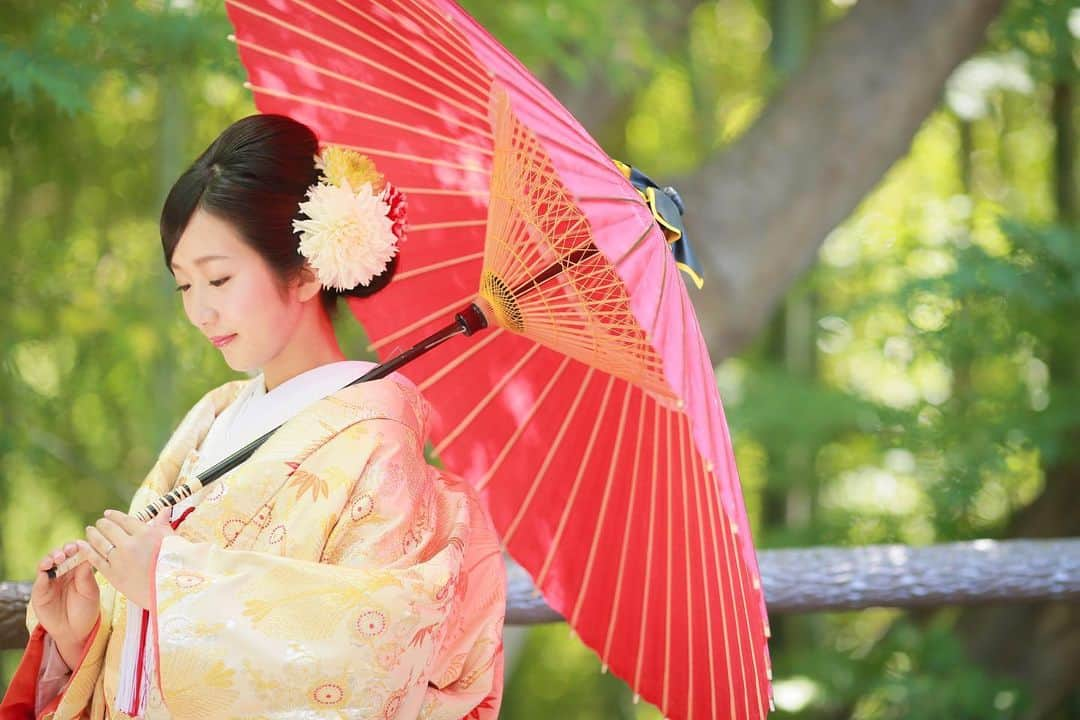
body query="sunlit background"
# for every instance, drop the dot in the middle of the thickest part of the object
(918, 385)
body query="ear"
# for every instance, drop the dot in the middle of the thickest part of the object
(307, 283)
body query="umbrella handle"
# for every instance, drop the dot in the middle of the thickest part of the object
(467, 322)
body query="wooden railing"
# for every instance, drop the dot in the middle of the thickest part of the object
(817, 579)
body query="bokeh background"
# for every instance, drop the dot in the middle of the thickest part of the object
(915, 381)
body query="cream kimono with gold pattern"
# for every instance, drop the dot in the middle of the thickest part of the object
(334, 574)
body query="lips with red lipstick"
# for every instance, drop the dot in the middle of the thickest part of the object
(222, 340)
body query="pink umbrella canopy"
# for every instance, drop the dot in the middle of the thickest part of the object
(587, 414)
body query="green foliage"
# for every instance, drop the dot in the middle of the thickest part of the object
(903, 671)
(928, 402)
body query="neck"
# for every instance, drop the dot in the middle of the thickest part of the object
(312, 345)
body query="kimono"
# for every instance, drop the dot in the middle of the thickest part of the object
(333, 574)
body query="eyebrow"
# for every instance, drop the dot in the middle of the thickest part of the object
(203, 259)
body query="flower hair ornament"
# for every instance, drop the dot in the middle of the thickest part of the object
(355, 220)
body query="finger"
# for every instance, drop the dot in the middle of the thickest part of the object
(41, 590)
(49, 561)
(130, 525)
(112, 532)
(84, 579)
(98, 542)
(93, 557)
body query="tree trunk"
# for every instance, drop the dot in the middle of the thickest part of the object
(758, 212)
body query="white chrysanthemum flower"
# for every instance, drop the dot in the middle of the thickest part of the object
(348, 238)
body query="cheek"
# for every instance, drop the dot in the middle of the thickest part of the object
(256, 305)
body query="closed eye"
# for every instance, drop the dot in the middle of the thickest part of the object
(215, 283)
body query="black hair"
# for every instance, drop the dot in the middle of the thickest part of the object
(254, 176)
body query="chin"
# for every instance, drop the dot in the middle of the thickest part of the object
(237, 362)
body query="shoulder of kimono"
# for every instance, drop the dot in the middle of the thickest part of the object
(387, 399)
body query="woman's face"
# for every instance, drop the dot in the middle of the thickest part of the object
(229, 290)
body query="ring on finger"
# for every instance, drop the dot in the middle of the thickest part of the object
(96, 540)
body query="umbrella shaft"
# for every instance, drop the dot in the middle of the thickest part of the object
(562, 264)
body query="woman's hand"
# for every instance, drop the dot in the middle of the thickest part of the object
(67, 606)
(123, 549)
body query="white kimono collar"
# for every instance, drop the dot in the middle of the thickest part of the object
(255, 411)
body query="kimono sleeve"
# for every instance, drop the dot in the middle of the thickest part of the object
(242, 633)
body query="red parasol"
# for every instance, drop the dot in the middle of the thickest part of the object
(587, 414)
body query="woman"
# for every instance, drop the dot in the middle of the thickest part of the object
(333, 574)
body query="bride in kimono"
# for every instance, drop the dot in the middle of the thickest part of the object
(335, 573)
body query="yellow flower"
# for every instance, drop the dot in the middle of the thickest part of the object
(343, 166)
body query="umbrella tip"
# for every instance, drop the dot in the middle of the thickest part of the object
(248, 86)
(230, 37)
(603, 669)
(637, 698)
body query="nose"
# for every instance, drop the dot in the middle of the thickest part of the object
(201, 311)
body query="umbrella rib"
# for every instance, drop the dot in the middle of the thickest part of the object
(709, 479)
(650, 331)
(384, 341)
(626, 530)
(609, 198)
(452, 32)
(605, 171)
(416, 158)
(356, 56)
(751, 641)
(537, 88)
(513, 249)
(646, 586)
(450, 41)
(447, 225)
(684, 422)
(485, 401)
(399, 276)
(620, 218)
(732, 569)
(348, 27)
(511, 529)
(668, 527)
(683, 472)
(620, 309)
(608, 484)
(483, 132)
(367, 116)
(638, 244)
(708, 482)
(568, 506)
(460, 358)
(710, 418)
(697, 479)
(481, 193)
(479, 83)
(483, 482)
